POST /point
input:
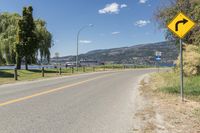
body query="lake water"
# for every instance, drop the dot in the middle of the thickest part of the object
(30, 67)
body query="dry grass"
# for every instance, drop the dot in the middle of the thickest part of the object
(165, 112)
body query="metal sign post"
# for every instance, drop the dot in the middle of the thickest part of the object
(180, 26)
(181, 70)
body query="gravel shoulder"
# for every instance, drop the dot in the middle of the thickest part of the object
(165, 113)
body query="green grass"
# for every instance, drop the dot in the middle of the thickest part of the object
(171, 84)
(7, 76)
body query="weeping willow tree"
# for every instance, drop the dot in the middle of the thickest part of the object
(44, 41)
(8, 41)
(8, 31)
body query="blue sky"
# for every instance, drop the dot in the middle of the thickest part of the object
(117, 23)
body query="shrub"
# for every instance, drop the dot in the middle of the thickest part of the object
(191, 59)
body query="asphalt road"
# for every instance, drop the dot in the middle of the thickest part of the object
(89, 103)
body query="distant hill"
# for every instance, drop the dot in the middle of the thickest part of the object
(143, 54)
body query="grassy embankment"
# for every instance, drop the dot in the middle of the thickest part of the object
(169, 82)
(7, 76)
(162, 91)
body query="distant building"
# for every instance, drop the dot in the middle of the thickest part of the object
(88, 63)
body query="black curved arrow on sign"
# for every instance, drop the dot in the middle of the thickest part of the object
(184, 21)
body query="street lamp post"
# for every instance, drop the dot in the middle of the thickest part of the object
(90, 25)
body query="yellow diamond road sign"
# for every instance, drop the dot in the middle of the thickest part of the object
(181, 25)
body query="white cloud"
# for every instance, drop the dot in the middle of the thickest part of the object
(143, 1)
(115, 33)
(112, 8)
(142, 23)
(85, 41)
(123, 6)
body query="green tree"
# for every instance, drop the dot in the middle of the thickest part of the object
(190, 7)
(26, 38)
(8, 30)
(44, 38)
(10, 45)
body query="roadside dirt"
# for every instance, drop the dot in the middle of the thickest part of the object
(164, 113)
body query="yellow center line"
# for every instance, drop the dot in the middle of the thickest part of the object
(49, 91)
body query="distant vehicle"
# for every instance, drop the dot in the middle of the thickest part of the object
(70, 64)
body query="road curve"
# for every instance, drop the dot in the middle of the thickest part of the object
(102, 102)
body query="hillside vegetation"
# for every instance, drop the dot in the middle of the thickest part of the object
(143, 54)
